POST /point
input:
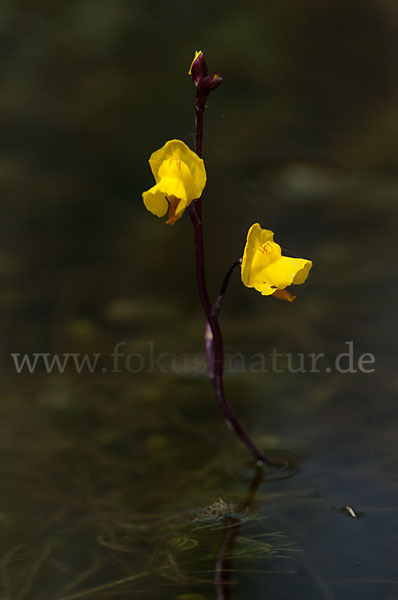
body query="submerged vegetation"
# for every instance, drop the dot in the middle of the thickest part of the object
(99, 521)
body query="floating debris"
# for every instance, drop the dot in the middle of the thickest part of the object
(350, 511)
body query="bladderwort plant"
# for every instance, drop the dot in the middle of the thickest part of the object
(180, 178)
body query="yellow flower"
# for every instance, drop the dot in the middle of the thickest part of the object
(265, 269)
(180, 177)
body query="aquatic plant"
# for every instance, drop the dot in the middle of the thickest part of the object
(180, 178)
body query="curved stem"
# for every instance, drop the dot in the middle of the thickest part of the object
(217, 304)
(216, 309)
(209, 350)
(214, 340)
(216, 376)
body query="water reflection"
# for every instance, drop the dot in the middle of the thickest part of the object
(232, 522)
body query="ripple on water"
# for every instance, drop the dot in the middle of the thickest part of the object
(244, 469)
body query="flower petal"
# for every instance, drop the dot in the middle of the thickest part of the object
(264, 267)
(265, 288)
(172, 186)
(303, 273)
(177, 150)
(155, 201)
(256, 237)
(282, 272)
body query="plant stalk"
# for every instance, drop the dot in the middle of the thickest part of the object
(213, 335)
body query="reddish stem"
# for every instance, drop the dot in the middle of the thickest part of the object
(214, 340)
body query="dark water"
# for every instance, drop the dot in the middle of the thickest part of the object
(127, 484)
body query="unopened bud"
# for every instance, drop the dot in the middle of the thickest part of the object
(198, 68)
(209, 83)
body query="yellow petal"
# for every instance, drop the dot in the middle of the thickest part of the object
(264, 267)
(170, 186)
(265, 288)
(155, 201)
(256, 238)
(282, 272)
(177, 150)
(176, 171)
(156, 198)
(303, 273)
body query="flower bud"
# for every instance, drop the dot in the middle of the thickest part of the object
(209, 83)
(198, 68)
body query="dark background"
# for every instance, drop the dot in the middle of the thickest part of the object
(301, 137)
